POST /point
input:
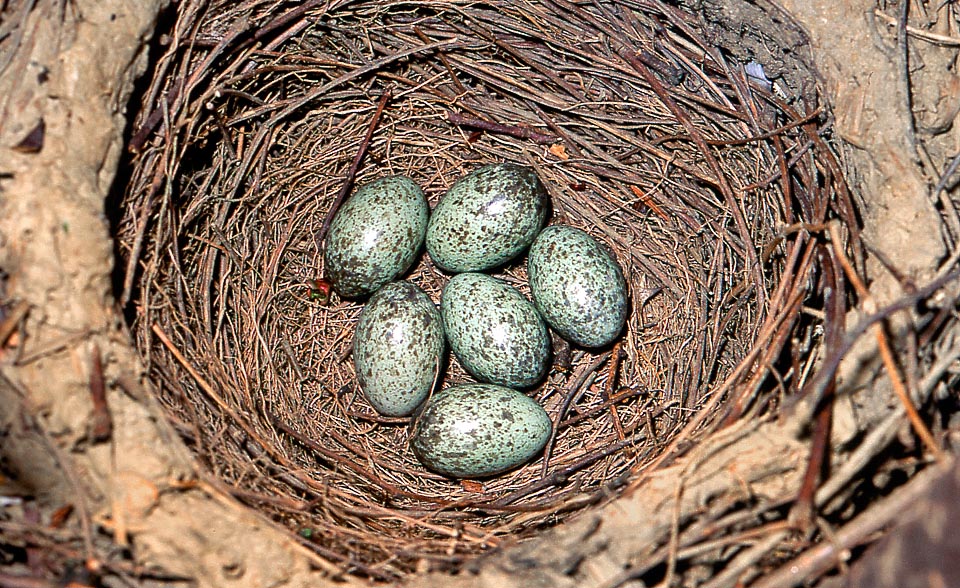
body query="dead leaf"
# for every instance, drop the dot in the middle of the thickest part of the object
(558, 150)
(648, 201)
(471, 486)
(60, 516)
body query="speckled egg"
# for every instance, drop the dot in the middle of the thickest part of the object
(495, 332)
(375, 236)
(477, 430)
(397, 348)
(577, 286)
(487, 218)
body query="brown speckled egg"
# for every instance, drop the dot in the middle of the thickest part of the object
(375, 236)
(397, 348)
(477, 430)
(577, 286)
(487, 218)
(494, 331)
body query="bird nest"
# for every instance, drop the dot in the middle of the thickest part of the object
(696, 171)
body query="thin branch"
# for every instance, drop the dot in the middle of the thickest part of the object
(521, 132)
(355, 165)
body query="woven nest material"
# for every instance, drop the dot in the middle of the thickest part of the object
(697, 176)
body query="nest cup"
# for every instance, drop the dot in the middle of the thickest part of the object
(688, 169)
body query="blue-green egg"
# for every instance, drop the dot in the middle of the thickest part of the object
(577, 286)
(375, 236)
(494, 331)
(397, 348)
(487, 218)
(478, 430)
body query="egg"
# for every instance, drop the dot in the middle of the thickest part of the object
(375, 236)
(577, 286)
(477, 430)
(397, 348)
(487, 218)
(494, 331)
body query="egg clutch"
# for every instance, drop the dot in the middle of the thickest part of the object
(486, 219)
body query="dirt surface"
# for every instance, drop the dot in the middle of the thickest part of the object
(140, 489)
(57, 258)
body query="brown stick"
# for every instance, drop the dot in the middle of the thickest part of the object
(102, 422)
(12, 321)
(518, 131)
(831, 363)
(802, 514)
(614, 367)
(889, 363)
(15, 581)
(139, 139)
(623, 394)
(286, 18)
(355, 165)
(572, 392)
(443, 60)
(821, 558)
(344, 461)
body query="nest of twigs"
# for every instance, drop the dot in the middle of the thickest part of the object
(697, 175)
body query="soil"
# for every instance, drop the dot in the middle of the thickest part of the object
(141, 491)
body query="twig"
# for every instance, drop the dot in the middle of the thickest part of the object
(886, 354)
(568, 143)
(349, 564)
(139, 139)
(343, 461)
(731, 575)
(802, 514)
(831, 363)
(616, 398)
(101, 423)
(673, 544)
(572, 392)
(671, 73)
(376, 65)
(180, 86)
(12, 320)
(355, 165)
(521, 132)
(707, 546)
(83, 508)
(649, 202)
(771, 134)
(444, 61)
(54, 347)
(285, 344)
(560, 476)
(947, 174)
(699, 545)
(903, 64)
(933, 38)
(824, 556)
(16, 581)
(209, 391)
(287, 17)
(133, 259)
(614, 367)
